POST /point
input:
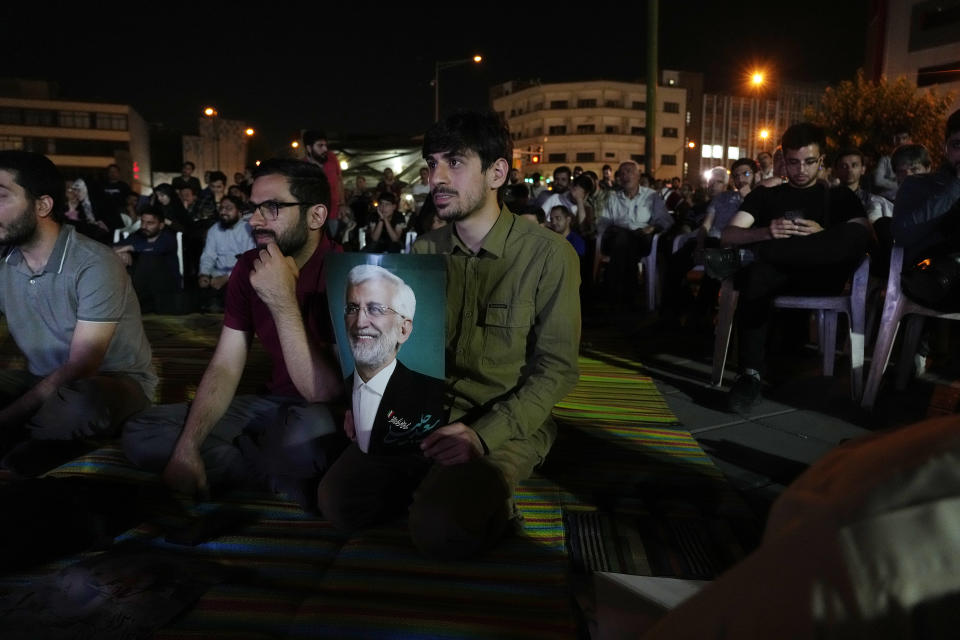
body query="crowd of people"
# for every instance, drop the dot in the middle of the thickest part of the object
(515, 253)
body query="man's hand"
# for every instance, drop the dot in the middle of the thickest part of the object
(649, 230)
(274, 277)
(784, 228)
(126, 258)
(218, 282)
(203, 281)
(185, 472)
(453, 444)
(348, 427)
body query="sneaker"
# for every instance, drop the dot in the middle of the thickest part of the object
(720, 264)
(745, 393)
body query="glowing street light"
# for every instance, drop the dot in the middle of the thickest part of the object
(210, 112)
(440, 66)
(764, 134)
(344, 165)
(757, 78)
(249, 131)
(295, 144)
(691, 145)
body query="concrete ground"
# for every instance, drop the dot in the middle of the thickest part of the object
(803, 414)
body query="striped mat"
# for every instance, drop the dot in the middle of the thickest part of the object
(624, 489)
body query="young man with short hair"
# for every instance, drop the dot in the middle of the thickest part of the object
(805, 238)
(513, 332)
(71, 310)
(282, 440)
(150, 253)
(849, 169)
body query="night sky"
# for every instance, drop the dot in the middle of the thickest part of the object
(369, 72)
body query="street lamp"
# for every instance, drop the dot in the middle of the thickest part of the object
(212, 113)
(440, 66)
(757, 79)
(295, 144)
(249, 131)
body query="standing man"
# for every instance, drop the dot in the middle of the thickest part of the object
(187, 179)
(513, 332)
(317, 152)
(420, 189)
(278, 292)
(805, 237)
(626, 226)
(71, 310)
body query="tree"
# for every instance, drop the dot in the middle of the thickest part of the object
(866, 114)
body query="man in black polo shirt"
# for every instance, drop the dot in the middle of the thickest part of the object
(800, 240)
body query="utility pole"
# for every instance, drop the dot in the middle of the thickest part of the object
(650, 147)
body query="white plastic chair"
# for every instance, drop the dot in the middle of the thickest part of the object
(827, 307)
(895, 306)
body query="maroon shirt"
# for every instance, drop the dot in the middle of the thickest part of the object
(245, 311)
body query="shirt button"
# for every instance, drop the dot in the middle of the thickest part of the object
(32, 281)
(468, 314)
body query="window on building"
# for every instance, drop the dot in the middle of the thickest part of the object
(586, 128)
(586, 156)
(733, 153)
(587, 103)
(638, 158)
(38, 118)
(706, 151)
(613, 104)
(10, 142)
(609, 155)
(113, 121)
(638, 131)
(537, 131)
(611, 129)
(11, 116)
(75, 119)
(556, 157)
(558, 130)
(671, 107)
(638, 105)
(668, 159)
(718, 151)
(558, 104)
(670, 132)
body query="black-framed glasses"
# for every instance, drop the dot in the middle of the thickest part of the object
(270, 209)
(373, 309)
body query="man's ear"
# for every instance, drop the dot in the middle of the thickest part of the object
(316, 216)
(44, 206)
(406, 328)
(497, 174)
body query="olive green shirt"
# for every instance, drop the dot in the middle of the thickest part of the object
(513, 328)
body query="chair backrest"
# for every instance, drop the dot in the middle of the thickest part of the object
(896, 266)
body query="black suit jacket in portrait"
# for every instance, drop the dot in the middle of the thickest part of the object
(411, 407)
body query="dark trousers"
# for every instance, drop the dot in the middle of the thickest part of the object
(625, 249)
(86, 408)
(455, 511)
(674, 298)
(818, 264)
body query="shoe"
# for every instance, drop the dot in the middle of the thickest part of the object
(745, 393)
(720, 264)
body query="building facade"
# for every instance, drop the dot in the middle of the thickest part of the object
(734, 127)
(917, 39)
(591, 124)
(81, 138)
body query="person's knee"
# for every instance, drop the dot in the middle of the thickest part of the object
(148, 439)
(305, 445)
(338, 507)
(460, 512)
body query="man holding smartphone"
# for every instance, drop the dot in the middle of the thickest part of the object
(800, 240)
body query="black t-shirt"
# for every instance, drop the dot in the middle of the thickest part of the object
(828, 207)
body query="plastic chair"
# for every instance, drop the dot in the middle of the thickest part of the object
(895, 306)
(827, 308)
(647, 266)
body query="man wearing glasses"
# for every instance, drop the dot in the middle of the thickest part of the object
(799, 240)
(277, 291)
(393, 407)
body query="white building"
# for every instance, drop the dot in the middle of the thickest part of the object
(591, 124)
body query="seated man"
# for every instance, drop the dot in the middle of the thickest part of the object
(280, 440)
(560, 220)
(72, 312)
(626, 225)
(720, 210)
(926, 223)
(512, 336)
(806, 238)
(226, 241)
(150, 253)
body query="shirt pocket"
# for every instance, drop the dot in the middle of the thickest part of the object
(505, 330)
